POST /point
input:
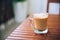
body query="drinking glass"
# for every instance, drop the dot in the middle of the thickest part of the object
(39, 22)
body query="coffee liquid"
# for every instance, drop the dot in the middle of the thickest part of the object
(40, 21)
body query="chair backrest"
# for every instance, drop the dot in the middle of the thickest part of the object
(54, 3)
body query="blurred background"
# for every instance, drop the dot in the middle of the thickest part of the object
(14, 12)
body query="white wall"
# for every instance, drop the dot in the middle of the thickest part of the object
(37, 6)
(44, 5)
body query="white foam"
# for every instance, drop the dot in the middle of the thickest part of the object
(41, 15)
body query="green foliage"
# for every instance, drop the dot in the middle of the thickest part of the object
(19, 0)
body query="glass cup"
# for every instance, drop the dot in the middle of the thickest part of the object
(40, 22)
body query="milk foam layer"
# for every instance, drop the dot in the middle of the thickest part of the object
(41, 15)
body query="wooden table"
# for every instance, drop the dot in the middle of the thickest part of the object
(25, 30)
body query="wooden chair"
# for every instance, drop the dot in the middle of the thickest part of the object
(53, 1)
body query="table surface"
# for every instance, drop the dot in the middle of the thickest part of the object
(26, 32)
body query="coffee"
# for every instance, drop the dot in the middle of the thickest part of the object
(40, 21)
